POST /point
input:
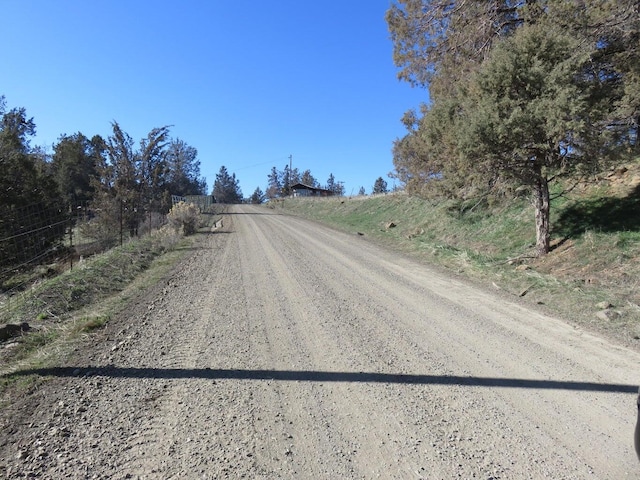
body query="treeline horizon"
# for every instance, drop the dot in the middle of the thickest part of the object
(122, 181)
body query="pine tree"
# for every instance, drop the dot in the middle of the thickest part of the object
(33, 216)
(122, 159)
(152, 170)
(274, 185)
(226, 188)
(183, 170)
(73, 166)
(335, 187)
(285, 181)
(257, 197)
(380, 186)
(308, 179)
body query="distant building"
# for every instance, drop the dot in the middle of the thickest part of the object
(302, 190)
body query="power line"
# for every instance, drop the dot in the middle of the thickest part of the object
(270, 162)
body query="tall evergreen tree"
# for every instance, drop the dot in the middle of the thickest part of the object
(380, 186)
(583, 105)
(33, 216)
(257, 197)
(122, 159)
(274, 184)
(183, 175)
(296, 177)
(106, 228)
(285, 181)
(73, 167)
(331, 183)
(226, 188)
(152, 170)
(19, 182)
(335, 187)
(307, 179)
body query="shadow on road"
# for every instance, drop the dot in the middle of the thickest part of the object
(252, 213)
(318, 376)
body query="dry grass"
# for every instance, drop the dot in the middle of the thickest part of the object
(65, 309)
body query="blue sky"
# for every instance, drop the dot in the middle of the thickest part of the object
(246, 82)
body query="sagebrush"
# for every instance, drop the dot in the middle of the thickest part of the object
(184, 217)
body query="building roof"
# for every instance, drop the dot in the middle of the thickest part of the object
(302, 186)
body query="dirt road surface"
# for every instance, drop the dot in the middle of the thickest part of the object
(283, 349)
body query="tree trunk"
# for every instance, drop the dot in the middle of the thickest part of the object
(542, 205)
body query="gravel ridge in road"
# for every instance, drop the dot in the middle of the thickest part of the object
(283, 349)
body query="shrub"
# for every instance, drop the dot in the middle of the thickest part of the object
(102, 230)
(151, 221)
(184, 216)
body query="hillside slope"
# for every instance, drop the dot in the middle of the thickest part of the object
(591, 277)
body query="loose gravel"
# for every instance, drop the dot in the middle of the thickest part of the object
(283, 349)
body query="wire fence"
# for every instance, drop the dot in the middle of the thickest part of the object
(37, 244)
(203, 202)
(27, 236)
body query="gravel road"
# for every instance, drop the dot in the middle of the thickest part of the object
(283, 349)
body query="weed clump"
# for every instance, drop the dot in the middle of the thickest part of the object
(184, 217)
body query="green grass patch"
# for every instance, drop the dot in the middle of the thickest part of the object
(88, 325)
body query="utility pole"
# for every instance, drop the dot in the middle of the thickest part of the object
(289, 180)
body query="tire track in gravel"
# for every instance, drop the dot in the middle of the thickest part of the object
(528, 419)
(463, 338)
(307, 440)
(164, 442)
(314, 336)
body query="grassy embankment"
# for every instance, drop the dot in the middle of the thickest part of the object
(63, 309)
(595, 255)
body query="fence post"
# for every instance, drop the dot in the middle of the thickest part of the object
(121, 212)
(71, 241)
